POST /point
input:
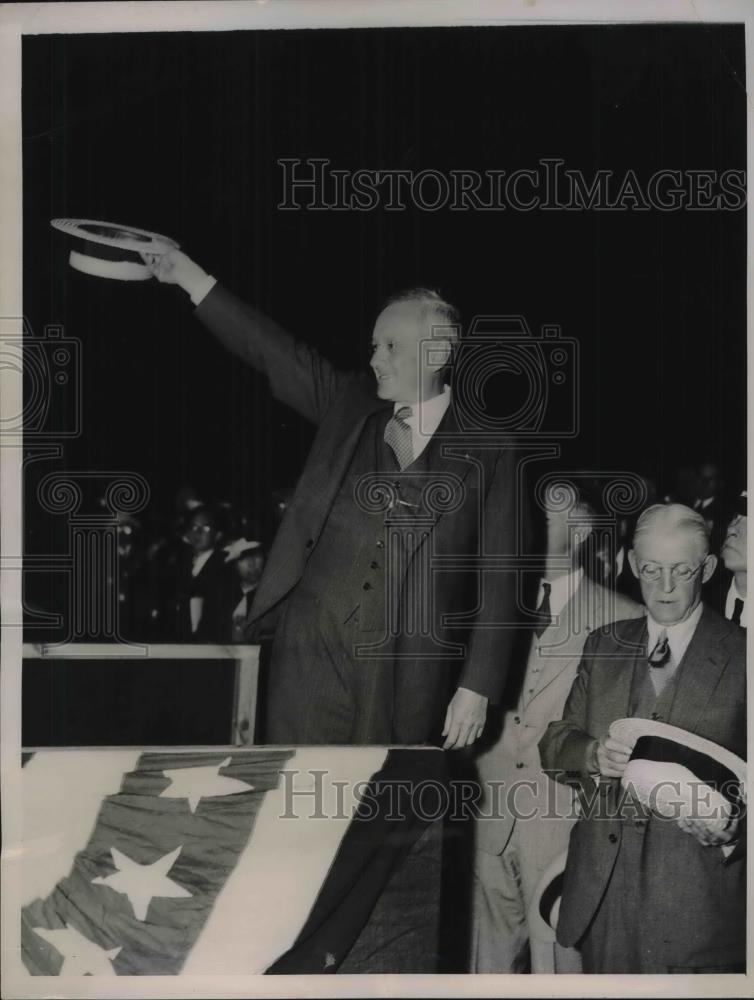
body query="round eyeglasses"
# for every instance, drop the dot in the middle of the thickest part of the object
(680, 573)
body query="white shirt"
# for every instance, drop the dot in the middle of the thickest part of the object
(730, 603)
(203, 289)
(196, 604)
(425, 419)
(679, 635)
(199, 562)
(240, 609)
(562, 589)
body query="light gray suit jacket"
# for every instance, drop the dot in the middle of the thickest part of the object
(514, 758)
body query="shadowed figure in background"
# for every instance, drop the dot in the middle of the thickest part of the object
(364, 651)
(194, 585)
(245, 560)
(644, 893)
(512, 853)
(733, 555)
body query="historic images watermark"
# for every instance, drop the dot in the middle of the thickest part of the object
(314, 794)
(313, 184)
(42, 387)
(47, 369)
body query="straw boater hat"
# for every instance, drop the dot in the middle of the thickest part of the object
(109, 250)
(670, 770)
(545, 904)
(240, 547)
(675, 772)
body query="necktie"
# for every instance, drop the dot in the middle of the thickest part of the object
(543, 611)
(661, 661)
(661, 653)
(239, 617)
(738, 607)
(398, 436)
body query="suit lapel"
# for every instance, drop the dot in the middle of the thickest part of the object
(629, 646)
(563, 643)
(327, 464)
(327, 470)
(700, 671)
(447, 459)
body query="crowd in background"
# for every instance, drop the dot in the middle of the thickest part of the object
(189, 575)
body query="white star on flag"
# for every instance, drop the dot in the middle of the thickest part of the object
(81, 957)
(142, 882)
(194, 783)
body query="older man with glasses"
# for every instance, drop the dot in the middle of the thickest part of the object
(642, 893)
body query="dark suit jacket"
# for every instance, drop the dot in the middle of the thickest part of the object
(483, 524)
(211, 584)
(695, 897)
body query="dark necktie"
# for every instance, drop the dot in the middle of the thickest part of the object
(738, 607)
(398, 436)
(661, 661)
(661, 653)
(543, 611)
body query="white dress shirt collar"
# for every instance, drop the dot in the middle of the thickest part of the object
(679, 635)
(425, 419)
(199, 561)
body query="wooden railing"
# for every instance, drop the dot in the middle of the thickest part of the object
(246, 681)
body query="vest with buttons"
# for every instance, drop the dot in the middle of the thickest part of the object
(644, 703)
(347, 568)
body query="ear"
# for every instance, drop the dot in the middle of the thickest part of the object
(632, 563)
(438, 354)
(582, 533)
(710, 564)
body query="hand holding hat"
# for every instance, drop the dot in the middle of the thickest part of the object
(113, 250)
(175, 268)
(612, 756)
(110, 249)
(710, 832)
(684, 777)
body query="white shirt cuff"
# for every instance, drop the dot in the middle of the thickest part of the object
(203, 289)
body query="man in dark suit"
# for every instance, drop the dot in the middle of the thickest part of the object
(385, 624)
(194, 585)
(643, 893)
(245, 559)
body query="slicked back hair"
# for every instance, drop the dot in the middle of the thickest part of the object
(435, 311)
(670, 517)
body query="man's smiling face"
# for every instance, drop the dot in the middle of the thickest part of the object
(396, 351)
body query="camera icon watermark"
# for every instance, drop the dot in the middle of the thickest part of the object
(40, 382)
(509, 383)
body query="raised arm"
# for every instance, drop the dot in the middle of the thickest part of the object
(298, 375)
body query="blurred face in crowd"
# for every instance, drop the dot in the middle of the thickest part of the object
(397, 355)
(671, 564)
(733, 552)
(708, 480)
(249, 568)
(202, 533)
